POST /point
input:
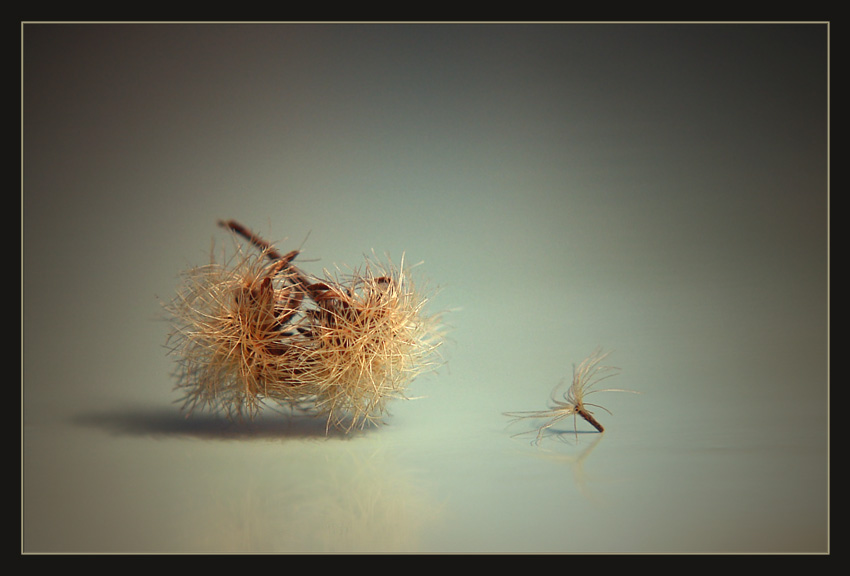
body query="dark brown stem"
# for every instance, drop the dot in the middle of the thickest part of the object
(284, 262)
(238, 228)
(589, 417)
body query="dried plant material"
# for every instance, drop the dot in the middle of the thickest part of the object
(227, 333)
(368, 337)
(571, 402)
(256, 329)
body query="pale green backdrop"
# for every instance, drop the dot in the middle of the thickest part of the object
(658, 190)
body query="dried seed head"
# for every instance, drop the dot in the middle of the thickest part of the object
(227, 334)
(369, 338)
(255, 328)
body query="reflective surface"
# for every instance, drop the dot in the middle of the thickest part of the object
(656, 190)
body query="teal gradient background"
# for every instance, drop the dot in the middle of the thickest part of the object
(657, 190)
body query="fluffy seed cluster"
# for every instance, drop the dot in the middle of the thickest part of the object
(255, 329)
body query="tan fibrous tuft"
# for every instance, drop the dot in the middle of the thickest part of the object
(370, 339)
(226, 335)
(255, 329)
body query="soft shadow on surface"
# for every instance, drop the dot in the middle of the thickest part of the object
(164, 422)
(554, 434)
